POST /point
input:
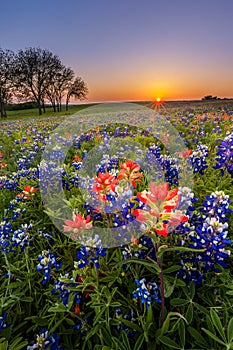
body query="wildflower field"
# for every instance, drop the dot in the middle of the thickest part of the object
(116, 229)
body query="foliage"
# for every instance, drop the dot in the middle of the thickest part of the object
(165, 289)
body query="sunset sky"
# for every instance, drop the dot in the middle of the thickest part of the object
(131, 49)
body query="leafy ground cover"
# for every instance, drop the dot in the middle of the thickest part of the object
(164, 281)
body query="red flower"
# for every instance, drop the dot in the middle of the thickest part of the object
(160, 212)
(3, 164)
(77, 158)
(79, 223)
(105, 183)
(185, 154)
(161, 229)
(29, 190)
(130, 171)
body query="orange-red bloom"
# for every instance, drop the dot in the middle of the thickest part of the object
(160, 214)
(104, 184)
(185, 154)
(77, 158)
(79, 223)
(29, 189)
(130, 171)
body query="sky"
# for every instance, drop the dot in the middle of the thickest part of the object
(131, 49)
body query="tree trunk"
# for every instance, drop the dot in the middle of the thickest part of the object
(60, 104)
(67, 102)
(43, 105)
(3, 111)
(39, 107)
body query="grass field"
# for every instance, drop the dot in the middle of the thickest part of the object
(168, 107)
(33, 113)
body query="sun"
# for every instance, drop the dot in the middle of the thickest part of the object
(158, 99)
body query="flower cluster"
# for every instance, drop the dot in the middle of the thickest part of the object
(146, 292)
(159, 213)
(224, 159)
(64, 289)
(90, 253)
(47, 261)
(198, 158)
(209, 233)
(3, 325)
(46, 342)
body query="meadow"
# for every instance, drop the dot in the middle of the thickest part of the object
(116, 228)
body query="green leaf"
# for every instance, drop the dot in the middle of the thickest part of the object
(189, 313)
(198, 337)
(181, 330)
(107, 336)
(57, 324)
(149, 316)
(139, 342)
(217, 323)
(18, 344)
(125, 341)
(132, 325)
(3, 344)
(192, 290)
(230, 330)
(58, 308)
(168, 342)
(171, 269)
(213, 336)
(150, 266)
(201, 308)
(178, 249)
(179, 302)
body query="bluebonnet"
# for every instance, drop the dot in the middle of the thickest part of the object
(209, 232)
(129, 316)
(146, 292)
(3, 325)
(64, 289)
(198, 158)
(90, 253)
(217, 205)
(46, 342)
(224, 159)
(21, 238)
(47, 261)
(143, 248)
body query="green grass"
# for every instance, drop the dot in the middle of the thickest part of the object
(33, 113)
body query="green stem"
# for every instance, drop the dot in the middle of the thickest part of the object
(162, 286)
(9, 274)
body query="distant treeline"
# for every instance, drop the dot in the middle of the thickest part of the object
(21, 106)
(35, 74)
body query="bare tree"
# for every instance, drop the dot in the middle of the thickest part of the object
(34, 70)
(58, 87)
(77, 89)
(6, 79)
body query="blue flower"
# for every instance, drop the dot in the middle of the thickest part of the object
(224, 159)
(146, 293)
(3, 325)
(45, 342)
(47, 261)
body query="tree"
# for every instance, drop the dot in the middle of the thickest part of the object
(35, 68)
(6, 79)
(77, 89)
(59, 86)
(209, 98)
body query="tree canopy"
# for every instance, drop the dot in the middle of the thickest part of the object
(36, 74)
